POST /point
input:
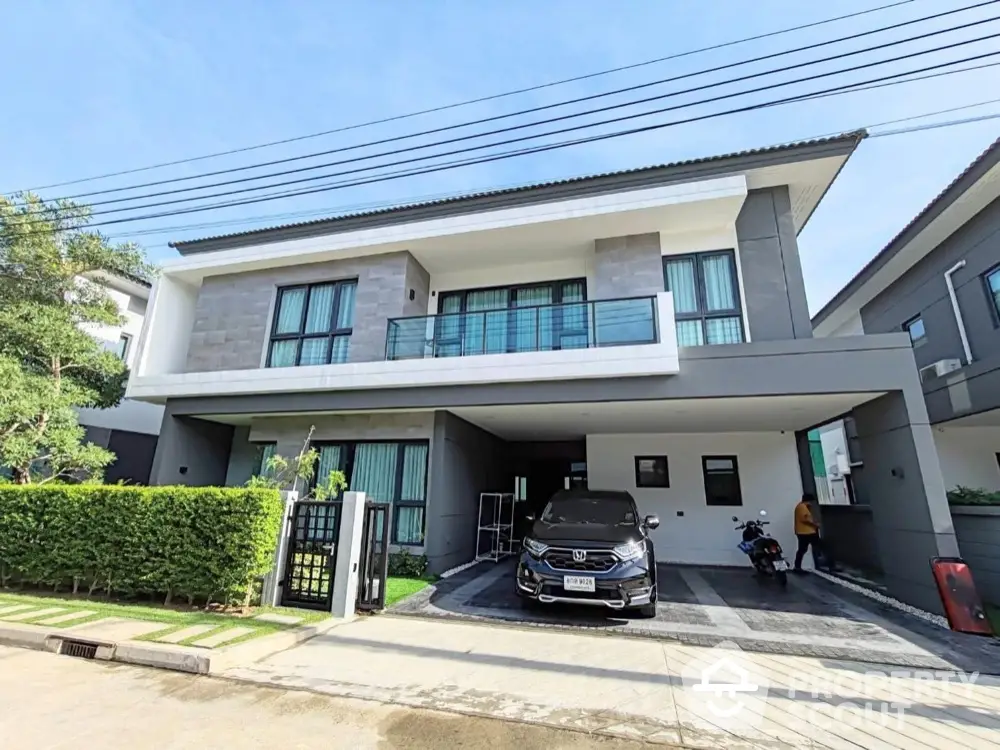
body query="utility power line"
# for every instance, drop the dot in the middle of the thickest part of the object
(578, 100)
(548, 147)
(558, 131)
(478, 100)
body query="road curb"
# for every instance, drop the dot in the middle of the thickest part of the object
(164, 656)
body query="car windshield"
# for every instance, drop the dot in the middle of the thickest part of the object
(590, 510)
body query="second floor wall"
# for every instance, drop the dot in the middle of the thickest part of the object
(733, 282)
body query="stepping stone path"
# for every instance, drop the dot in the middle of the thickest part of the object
(118, 628)
(280, 619)
(223, 636)
(184, 633)
(68, 617)
(33, 613)
(11, 609)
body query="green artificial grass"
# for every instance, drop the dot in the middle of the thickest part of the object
(176, 618)
(397, 589)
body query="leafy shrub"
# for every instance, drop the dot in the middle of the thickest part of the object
(196, 542)
(404, 565)
(970, 496)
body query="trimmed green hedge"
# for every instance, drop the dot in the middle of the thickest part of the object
(972, 496)
(204, 543)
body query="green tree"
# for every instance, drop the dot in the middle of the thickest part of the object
(53, 293)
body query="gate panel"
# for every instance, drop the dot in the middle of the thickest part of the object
(374, 557)
(312, 554)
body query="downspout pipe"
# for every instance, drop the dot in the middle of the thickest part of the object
(957, 310)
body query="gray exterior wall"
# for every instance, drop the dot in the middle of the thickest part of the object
(978, 531)
(922, 291)
(233, 313)
(243, 457)
(849, 532)
(288, 433)
(464, 461)
(191, 451)
(773, 285)
(629, 266)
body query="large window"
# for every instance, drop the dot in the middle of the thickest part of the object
(387, 472)
(502, 327)
(312, 324)
(722, 480)
(992, 279)
(706, 298)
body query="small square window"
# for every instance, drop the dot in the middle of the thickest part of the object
(915, 327)
(722, 480)
(651, 471)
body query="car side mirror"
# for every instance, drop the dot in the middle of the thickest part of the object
(651, 522)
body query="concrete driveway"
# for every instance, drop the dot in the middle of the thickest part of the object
(705, 606)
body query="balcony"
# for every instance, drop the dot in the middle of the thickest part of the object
(520, 330)
(572, 341)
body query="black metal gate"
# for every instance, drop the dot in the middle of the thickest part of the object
(312, 554)
(374, 557)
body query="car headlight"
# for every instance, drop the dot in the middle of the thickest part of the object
(630, 551)
(534, 546)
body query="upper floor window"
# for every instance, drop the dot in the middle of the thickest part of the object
(312, 324)
(706, 298)
(124, 345)
(915, 327)
(993, 287)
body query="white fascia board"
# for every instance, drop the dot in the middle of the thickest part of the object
(326, 247)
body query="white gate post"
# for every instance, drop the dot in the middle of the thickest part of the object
(345, 574)
(270, 595)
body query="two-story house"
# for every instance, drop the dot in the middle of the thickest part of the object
(938, 280)
(130, 429)
(644, 330)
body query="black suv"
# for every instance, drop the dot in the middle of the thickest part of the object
(590, 547)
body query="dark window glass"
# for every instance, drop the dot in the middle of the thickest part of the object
(312, 324)
(722, 480)
(651, 471)
(706, 298)
(574, 509)
(993, 289)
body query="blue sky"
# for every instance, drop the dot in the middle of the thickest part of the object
(101, 86)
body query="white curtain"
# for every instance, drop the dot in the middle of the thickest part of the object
(329, 460)
(723, 331)
(574, 317)
(314, 351)
(680, 282)
(689, 333)
(345, 311)
(375, 470)
(533, 326)
(320, 313)
(283, 353)
(290, 314)
(719, 282)
(414, 472)
(486, 332)
(341, 346)
(266, 451)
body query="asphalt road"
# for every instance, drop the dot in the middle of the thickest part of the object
(49, 701)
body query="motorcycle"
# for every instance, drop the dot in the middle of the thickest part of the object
(764, 551)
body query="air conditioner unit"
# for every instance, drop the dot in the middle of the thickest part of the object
(939, 369)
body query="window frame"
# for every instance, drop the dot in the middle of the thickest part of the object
(125, 338)
(736, 472)
(907, 324)
(558, 287)
(260, 452)
(703, 314)
(990, 298)
(348, 449)
(666, 472)
(300, 335)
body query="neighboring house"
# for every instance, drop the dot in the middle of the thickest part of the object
(644, 330)
(938, 280)
(129, 430)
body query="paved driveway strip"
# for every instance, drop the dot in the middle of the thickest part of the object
(704, 606)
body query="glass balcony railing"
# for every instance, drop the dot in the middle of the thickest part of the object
(571, 325)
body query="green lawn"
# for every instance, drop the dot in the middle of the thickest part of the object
(397, 589)
(175, 618)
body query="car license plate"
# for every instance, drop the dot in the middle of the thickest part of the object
(578, 583)
(780, 565)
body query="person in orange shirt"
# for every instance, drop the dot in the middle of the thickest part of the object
(807, 531)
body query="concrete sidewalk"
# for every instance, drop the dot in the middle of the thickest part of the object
(639, 688)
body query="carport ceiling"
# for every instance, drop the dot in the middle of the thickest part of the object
(567, 421)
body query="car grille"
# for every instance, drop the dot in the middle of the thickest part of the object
(596, 561)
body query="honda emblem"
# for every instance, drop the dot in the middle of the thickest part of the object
(579, 555)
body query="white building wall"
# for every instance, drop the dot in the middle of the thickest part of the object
(132, 416)
(769, 480)
(968, 456)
